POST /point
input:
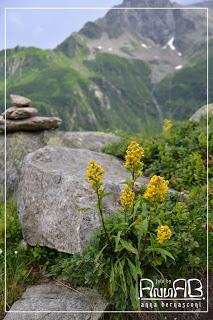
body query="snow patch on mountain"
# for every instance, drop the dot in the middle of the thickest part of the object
(178, 67)
(145, 46)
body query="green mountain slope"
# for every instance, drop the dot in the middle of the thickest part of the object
(182, 93)
(106, 92)
(119, 72)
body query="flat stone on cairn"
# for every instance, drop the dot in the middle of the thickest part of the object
(20, 101)
(15, 113)
(23, 117)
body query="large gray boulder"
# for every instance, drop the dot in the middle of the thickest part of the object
(19, 144)
(55, 202)
(52, 297)
(202, 112)
(91, 140)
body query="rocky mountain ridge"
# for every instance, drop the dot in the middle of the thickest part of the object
(167, 36)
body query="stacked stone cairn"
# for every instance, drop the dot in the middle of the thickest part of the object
(22, 116)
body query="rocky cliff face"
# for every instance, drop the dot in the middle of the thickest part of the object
(157, 25)
(167, 40)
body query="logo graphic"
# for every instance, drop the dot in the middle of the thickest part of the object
(178, 294)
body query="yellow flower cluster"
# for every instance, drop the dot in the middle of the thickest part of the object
(163, 233)
(156, 189)
(167, 125)
(94, 174)
(133, 157)
(127, 198)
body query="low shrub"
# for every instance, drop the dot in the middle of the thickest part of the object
(152, 234)
(179, 153)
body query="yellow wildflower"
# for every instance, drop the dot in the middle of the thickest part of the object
(156, 189)
(94, 174)
(167, 125)
(163, 233)
(133, 157)
(127, 198)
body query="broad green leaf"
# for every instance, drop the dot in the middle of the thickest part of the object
(128, 246)
(138, 223)
(99, 254)
(122, 278)
(119, 248)
(134, 297)
(133, 270)
(162, 251)
(145, 224)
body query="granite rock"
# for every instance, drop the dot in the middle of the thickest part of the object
(55, 202)
(53, 297)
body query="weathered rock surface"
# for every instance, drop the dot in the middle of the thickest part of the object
(20, 113)
(92, 140)
(19, 144)
(20, 101)
(31, 124)
(53, 192)
(202, 112)
(52, 297)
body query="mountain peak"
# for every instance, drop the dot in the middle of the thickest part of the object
(156, 25)
(164, 38)
(146, 3)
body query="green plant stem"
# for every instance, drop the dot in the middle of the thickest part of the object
(101, 215)
(133, 177)
(133, 212)
(133, 180)
(125, 214)
(145, 238)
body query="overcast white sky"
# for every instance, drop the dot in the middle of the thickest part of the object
(48, 28)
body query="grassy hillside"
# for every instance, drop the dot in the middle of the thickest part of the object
(182, 93)
(104, 91)
(126, 84)
(107, 92)
(49, 80)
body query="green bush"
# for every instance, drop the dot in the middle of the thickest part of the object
(126, 246)
(152, 235)
(179, 154)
